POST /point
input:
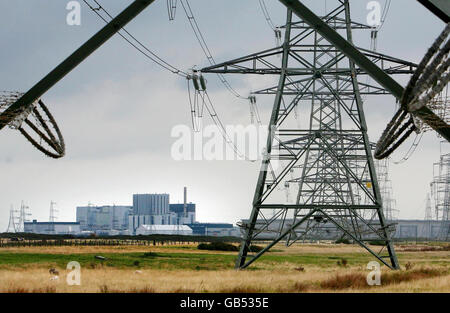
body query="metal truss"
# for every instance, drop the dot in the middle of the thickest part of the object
(386, 190)
(328, 166)
(440, 190)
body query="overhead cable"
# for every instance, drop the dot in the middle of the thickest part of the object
(138, 45)
(201, 40)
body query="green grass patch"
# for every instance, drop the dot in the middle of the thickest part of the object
(122, 260)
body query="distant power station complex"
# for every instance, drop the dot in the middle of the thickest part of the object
(149, 214)
(147, 209)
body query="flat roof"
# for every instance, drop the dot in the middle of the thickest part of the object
(52, 223)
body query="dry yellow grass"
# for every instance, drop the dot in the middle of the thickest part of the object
(120, 280)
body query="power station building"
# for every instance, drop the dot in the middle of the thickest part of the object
(103, 219)
(215, 229)
(399, 229)
(150, 204)
(182, 218)
(150, 213)
(52, 228)
(155, 209)
(164, 230)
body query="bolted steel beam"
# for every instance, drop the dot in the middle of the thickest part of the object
(441, 8)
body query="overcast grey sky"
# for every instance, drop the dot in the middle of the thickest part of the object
(116, 110)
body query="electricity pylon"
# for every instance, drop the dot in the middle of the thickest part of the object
(23, 218)
(386, 190)
(52, 217)
(440, 189)
(329, 165)
(12, 221)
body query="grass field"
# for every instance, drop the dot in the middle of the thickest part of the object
(184, 268)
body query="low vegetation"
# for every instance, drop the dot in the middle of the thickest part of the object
(217, 246)
(187, 268)
(358, 280)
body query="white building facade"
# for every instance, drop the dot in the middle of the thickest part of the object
(164, 230)
(103, 218)
(52, 228)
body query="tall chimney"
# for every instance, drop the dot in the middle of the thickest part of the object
(185, 202)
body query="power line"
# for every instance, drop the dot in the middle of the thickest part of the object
(276, 30)
(387, 6)
(269, 21)
(411, 149)
(142, 49)
(201, 40)
(212, 112)
(198, 105)
(171, 9)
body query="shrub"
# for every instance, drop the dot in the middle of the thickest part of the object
(254, 248)
(149, 255)
(409, 266)
(300, 287)
(343, 240)
(353, 280)
(377, 243)
(342, 262)
(358, 280)
(217, 246)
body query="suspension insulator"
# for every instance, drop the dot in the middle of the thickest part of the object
(195, 82)
(202, 82)
(374, 34)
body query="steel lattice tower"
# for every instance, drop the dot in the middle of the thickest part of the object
(440, 189)
(12, 221)
(329, 165)
(386, 190)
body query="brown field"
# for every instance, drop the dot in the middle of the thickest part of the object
(428, 271)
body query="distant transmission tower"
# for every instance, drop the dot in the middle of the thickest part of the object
(429, 219)
(386, 190)
(440, 189)
(52, 218)
(329, 165)
(12, 221)
(22, 218)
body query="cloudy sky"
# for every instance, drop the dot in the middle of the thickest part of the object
(117, 109)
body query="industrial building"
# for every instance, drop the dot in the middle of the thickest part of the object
(418, 229)
(182, 217)
(150, 204)
(215, 229)
(164, 230)
(103, 219)
(134, 221)
(52, 228)
(154, 209)
(149, 214)
(399, 229)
